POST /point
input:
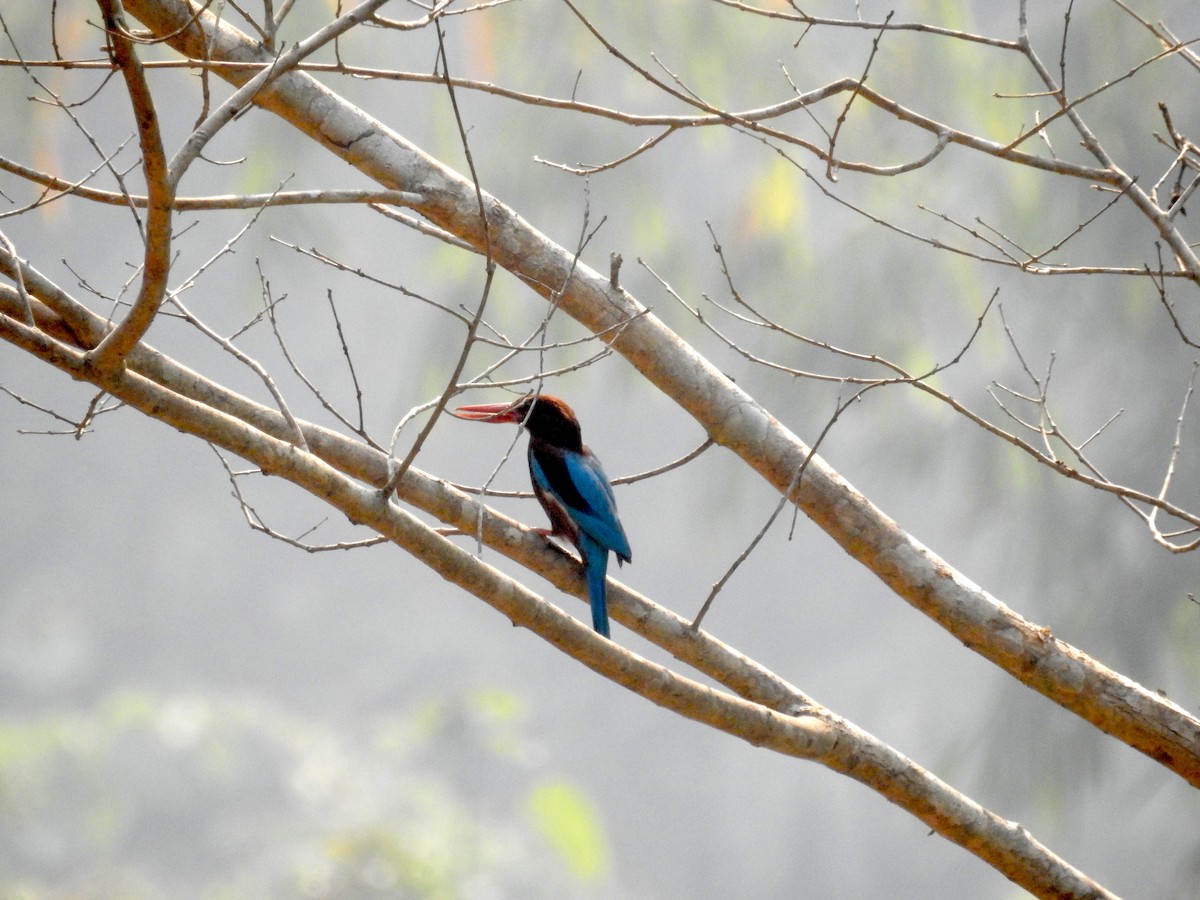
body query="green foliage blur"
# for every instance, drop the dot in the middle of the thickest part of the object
(147, 796)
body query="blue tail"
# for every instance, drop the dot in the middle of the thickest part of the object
(595, 563)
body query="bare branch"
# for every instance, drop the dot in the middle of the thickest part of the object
(256, 523)
(244, 95)
(160, 187)
(78, 428)
(784, 500)
(269, 305)
(1176, 448)
(489, 267)
(190, 204)
(868, 25)
(830, 170)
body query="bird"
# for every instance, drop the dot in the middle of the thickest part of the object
(571, 486)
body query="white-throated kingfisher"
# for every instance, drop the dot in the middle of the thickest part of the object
(571, 486)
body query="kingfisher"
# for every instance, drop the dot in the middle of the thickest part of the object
(571, 486)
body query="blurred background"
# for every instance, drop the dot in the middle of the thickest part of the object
(191, 709)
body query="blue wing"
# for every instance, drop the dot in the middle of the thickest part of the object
(578, 483)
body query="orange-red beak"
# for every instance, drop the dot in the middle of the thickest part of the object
(490, 412)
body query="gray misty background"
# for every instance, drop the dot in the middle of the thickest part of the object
(192, 709)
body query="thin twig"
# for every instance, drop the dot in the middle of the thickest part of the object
(489, 268)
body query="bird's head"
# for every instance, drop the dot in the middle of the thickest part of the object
(546, 418)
